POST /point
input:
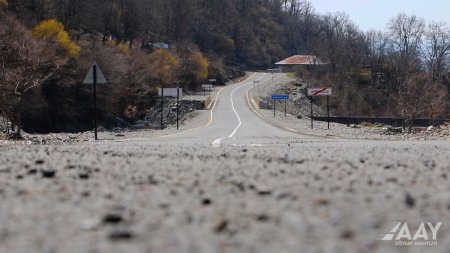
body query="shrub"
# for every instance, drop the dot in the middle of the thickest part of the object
(163, 66)
(123, 48)
(53, 29)
(200, 65)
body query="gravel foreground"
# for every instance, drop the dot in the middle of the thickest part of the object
(315, 196)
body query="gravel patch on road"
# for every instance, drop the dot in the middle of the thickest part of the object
(319, 196)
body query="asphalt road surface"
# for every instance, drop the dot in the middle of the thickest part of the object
(236, 184)
(233, 122)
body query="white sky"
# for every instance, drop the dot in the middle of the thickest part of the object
(374, 14)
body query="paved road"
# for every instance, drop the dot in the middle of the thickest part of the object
(234, 123)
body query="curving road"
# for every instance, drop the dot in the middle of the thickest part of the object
(233, 121)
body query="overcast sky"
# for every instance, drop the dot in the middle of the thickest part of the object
(374, 14)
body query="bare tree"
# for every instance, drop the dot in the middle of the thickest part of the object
(376, 53)
(405, 34)
(437, 48)
(26, 63)
(419, 96)
(339, 39)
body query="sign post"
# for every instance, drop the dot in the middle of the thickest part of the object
(285, 108)
(162, 108)
(177, 93)
(312, 114)
(280, 97)
(274, 107)
(256, 83)
(94, 77)
(313, 92)
(328, 111)
(207, 87)
(178, 107)
(213, 81)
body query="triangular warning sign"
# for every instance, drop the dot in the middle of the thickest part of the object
(89, 79)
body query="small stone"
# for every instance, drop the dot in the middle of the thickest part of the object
(39, 162)
(347, 234)
(70, 167)
(83, 176)
(392, 180)
(263, 218)
(48, 173)
(283, 195)
(112, 218)
(264, 192)
(409, 200)
(85, 194)
(121, 234)
(322, 201)
(221, 226)
(152, 180)
(206, 202)
(32, 171)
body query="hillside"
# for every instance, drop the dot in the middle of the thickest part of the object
(144, 44)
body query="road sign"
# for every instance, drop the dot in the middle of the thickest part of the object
(170, 92)
(314, 92)
(95, 76)
(319, 92)
(89, 79)
(208, 87)
(280, 97)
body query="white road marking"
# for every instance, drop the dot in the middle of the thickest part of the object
(217, 142)
(235, 112)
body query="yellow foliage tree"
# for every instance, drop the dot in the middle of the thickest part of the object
(163, 66)
(200, 65)
(53, 29)
(123, 48)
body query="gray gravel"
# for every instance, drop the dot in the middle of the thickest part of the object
(315, 196)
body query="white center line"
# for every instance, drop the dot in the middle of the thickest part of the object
(217, 142)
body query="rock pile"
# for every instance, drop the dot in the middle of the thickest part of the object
(153, 118)
(298, 105)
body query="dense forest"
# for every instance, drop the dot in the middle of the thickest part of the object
(401, 71)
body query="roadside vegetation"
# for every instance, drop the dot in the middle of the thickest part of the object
(47, 47)
(400, 72)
